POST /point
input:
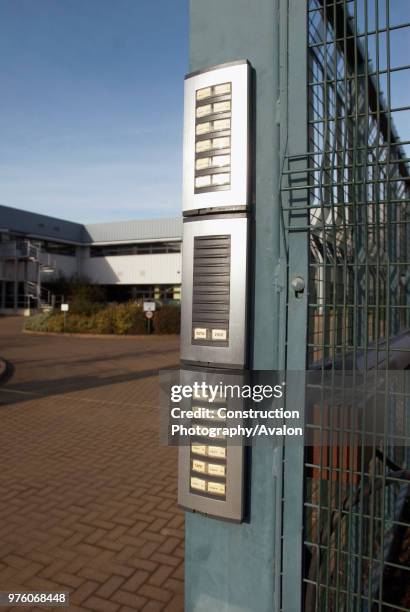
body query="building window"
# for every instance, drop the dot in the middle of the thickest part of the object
(141, 248)
(58, 248)
(124, 293)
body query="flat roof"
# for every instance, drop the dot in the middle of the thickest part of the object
(20, 221)
(135, 229)
(35, 225)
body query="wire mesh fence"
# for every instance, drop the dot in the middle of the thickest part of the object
(357, 179)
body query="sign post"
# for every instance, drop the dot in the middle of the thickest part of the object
(65, 308)
(149, 309)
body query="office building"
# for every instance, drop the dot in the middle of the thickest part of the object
(131, 259)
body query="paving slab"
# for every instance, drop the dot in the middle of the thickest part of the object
(87, 493)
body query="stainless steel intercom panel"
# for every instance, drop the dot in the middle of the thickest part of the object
(214, 300)
(211, 469)
(216, 138)
(216, 190)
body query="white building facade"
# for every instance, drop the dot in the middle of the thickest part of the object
(134, 259)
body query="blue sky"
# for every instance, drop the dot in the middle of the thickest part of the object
(91, 106)
(91, 101)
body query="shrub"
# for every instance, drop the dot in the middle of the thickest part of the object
(56, 323)
(85, 299)
(104, 321)
(129, 318)
(81, 305)
(81, 289)
(79, 292)
(167, 320)
(37, 322)
(79, 324)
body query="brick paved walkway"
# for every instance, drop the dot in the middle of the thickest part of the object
(87, 494)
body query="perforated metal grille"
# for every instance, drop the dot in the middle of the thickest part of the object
(211, 289)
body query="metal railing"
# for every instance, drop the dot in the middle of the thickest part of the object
(19, 249)
(27, 292)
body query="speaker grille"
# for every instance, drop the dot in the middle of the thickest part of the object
(211, 290)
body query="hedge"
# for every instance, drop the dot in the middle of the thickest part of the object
(121, 319)
(167, 320)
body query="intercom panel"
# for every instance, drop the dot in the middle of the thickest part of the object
(214, 297)
(211, 468)
(216, 138)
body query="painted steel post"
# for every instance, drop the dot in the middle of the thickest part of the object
(294, 137)
(231, 567)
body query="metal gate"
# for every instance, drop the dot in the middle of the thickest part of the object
(346, 219)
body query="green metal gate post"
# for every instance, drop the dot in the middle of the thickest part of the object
(233, 568)
(294, 144)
